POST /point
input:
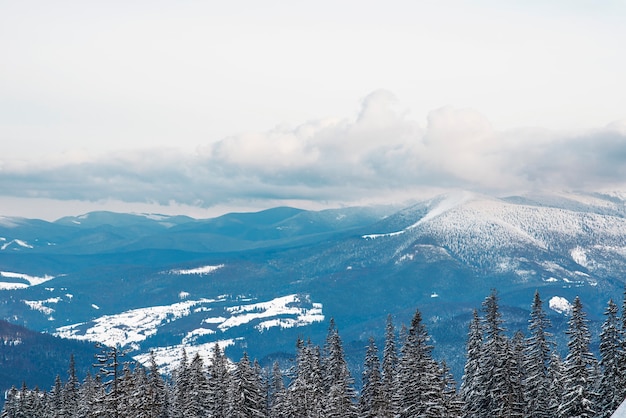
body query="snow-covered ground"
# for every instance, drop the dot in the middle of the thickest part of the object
(30, 280)
(131, 328)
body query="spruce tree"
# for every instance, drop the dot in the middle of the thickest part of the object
(579, 368)
(305, 396)
(537, 362)
(472, 391)
(219, 383)
(371, 401)
(389, 364)
(611, 388)
(246, 397)
(337, 381)
(277, 394)
(499, 396)
(418, 387)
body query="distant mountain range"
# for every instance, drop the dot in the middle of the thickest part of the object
(257, 281)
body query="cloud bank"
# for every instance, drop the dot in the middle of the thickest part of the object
(381, 153)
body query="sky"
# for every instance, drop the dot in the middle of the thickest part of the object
(204, 107)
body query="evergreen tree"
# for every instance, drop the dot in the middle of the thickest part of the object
(472, 393)
(418, 387)
(246, 396)
(500, 395)
(579, 366)
(611, 388)
(390, 362)
(338, 383)
(277, 394)
(537, 362)
(198, 396)
(182, 387)
(452, 403)
(219, 382)
(54, 405)
(555, 388)
(371, 401)
(157, 395)
(305, 395)
(70, 391)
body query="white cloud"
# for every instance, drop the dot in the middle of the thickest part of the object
(382, 151)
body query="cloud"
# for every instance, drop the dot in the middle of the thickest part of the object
(380, 152)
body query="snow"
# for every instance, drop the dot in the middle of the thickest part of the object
(579, 256)
(194, 334)
(275, 307)
(560, 305)
(131, 328)
(18, 242)
(40, 305)
(93, 305)
(12, 286)
(198, 270)
(183, 295)
(168, 358)
(32, 280)
(128, 327)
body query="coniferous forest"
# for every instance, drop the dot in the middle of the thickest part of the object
(505, 376)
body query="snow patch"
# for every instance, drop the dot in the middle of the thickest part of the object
(197, 270)
(32, 280)
(40, 305)
(168, 358)
(579, 256)
(93, 305)
(183, 295)
(280, 306)
(128, 327)
(560, 305)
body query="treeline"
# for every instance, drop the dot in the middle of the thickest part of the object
(518, 376)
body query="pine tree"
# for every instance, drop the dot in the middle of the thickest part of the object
(246, 398)
(305, 395)
(182, 387)
(472, 393)
(452, 403)
(555, 388)
(198, 396)
(337, 381)
(537, 362)
(70, 391)
(418, 387)
(579, 366)
(54, 406)
(157, 395)
(390, 362)
(11, 403)
(371, 401)
(500, 396)
(277, 393)
(611, 388)
(219, 383)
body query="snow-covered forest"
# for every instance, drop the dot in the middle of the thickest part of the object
(518, 376)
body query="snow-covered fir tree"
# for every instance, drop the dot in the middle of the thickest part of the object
(538, 352)
(371, 402)
(579, 368)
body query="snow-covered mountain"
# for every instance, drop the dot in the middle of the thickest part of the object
(256, 281)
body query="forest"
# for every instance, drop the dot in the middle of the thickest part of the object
(504, 376)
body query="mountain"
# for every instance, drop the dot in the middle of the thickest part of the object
(257, 281)
(36, 358)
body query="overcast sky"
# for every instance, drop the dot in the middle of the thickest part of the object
(201, 107)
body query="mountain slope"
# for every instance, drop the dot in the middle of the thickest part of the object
(256, 282)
